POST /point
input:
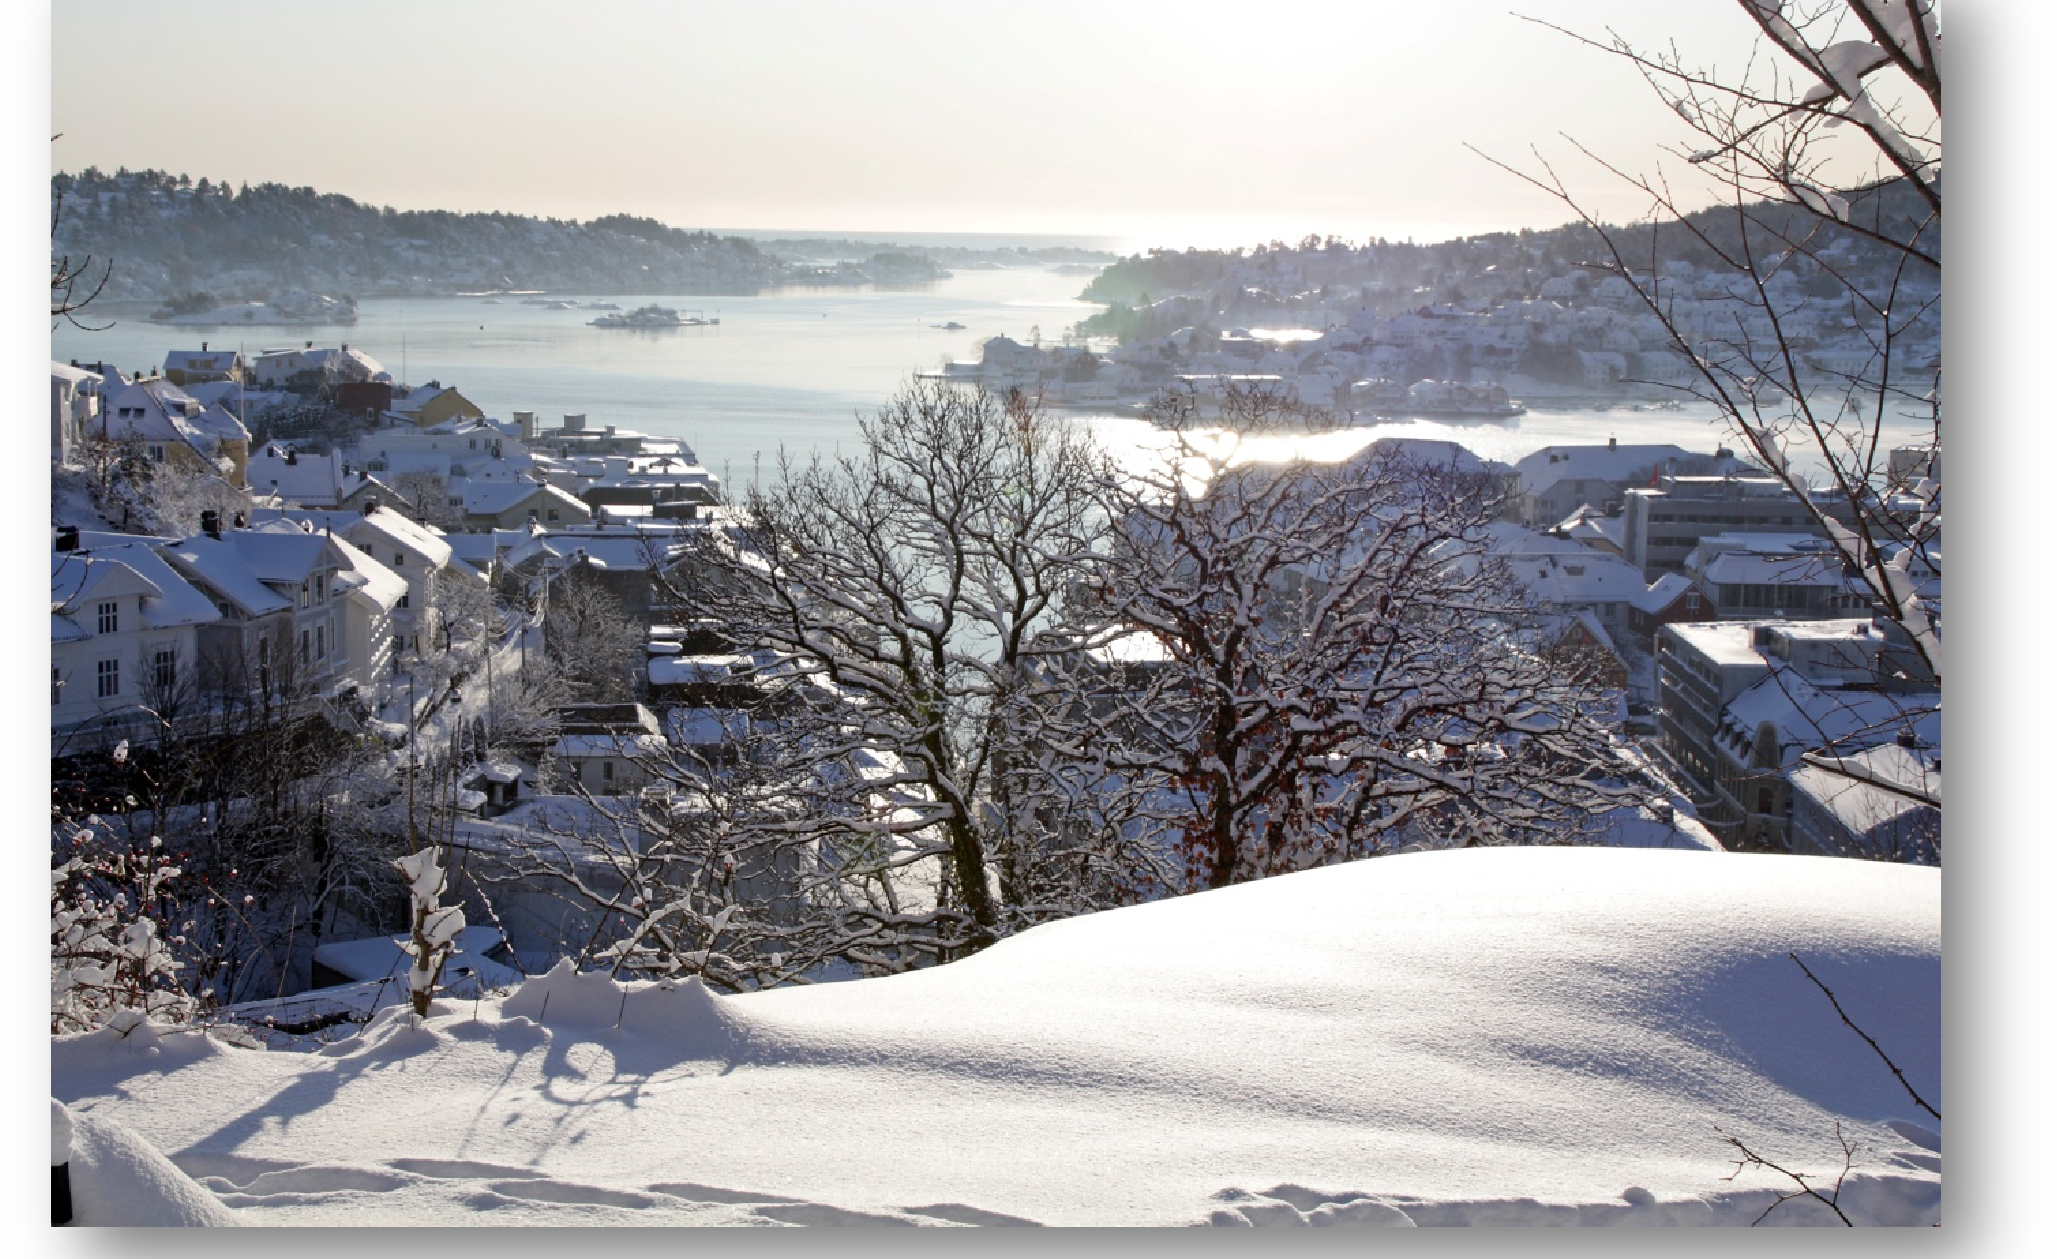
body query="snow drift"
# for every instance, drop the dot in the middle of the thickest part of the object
(1491, 1036)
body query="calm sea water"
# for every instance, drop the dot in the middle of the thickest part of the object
(789, 369)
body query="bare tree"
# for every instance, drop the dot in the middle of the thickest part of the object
(1823, 158)
(427, 499)
(911, 589)
(1331, 665)
(594, 644)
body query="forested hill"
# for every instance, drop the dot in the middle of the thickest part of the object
(1389, 277)
(171, 236)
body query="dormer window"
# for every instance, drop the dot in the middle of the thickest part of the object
(110, 617)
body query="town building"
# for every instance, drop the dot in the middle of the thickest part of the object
(1663, 523)
(1742, 703)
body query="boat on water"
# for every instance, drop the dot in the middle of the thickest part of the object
(602, 306)
(1480, 400)
(654, 317)
(952, 326)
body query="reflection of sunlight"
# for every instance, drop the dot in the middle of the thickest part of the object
(1286, 334)
(1143, 450)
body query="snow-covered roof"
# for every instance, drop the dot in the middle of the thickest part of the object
(171, 599)
(578, 745)
(222, 567)
(1806, 717)
(1584, 577)
(492, 498)
(676, 670)
(705, 727)
(617, 553)
(1592, 528)
(1135, 647)
(301, 477)
(1784, 559)
(369, 579)
(280, 550)
(1614, 464)
(382, 956)
(1868, 789)
(1723, 642)
(157, 410)
(1663, 592)
(200, 360)
(380, 531)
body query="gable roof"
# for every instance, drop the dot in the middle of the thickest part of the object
(1615, 465)
(168, 599)
(1664, 592)
(494, 498)
(366, 578)
(242, 561)
(380, 528)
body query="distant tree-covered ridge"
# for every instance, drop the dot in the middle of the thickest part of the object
(172, 235)
(1153, 292)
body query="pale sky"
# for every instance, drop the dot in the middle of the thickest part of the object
(1158, 123)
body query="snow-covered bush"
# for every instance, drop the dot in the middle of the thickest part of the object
(109, 918)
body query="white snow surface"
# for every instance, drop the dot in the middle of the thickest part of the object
(117, 1178)
(1497, 1036)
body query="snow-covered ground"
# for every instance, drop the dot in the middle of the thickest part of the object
(1485, 1036)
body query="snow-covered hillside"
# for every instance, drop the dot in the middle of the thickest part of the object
(1485, 1036)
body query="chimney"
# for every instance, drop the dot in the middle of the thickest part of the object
(1610, 443)
(370, 505)
(310, 345)
(210, 523)
(1662, 810)
(203, 347)
(67, 537)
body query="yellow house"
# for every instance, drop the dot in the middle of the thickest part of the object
(432, 404)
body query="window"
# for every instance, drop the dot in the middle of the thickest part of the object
(110, 617)
(164, 668)
(403, 599)
(303, 646)
(321, 642)
(156, 454)
(107, 675)
(321, 589)
(399, 558)
(553, 515)
(607, 770)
